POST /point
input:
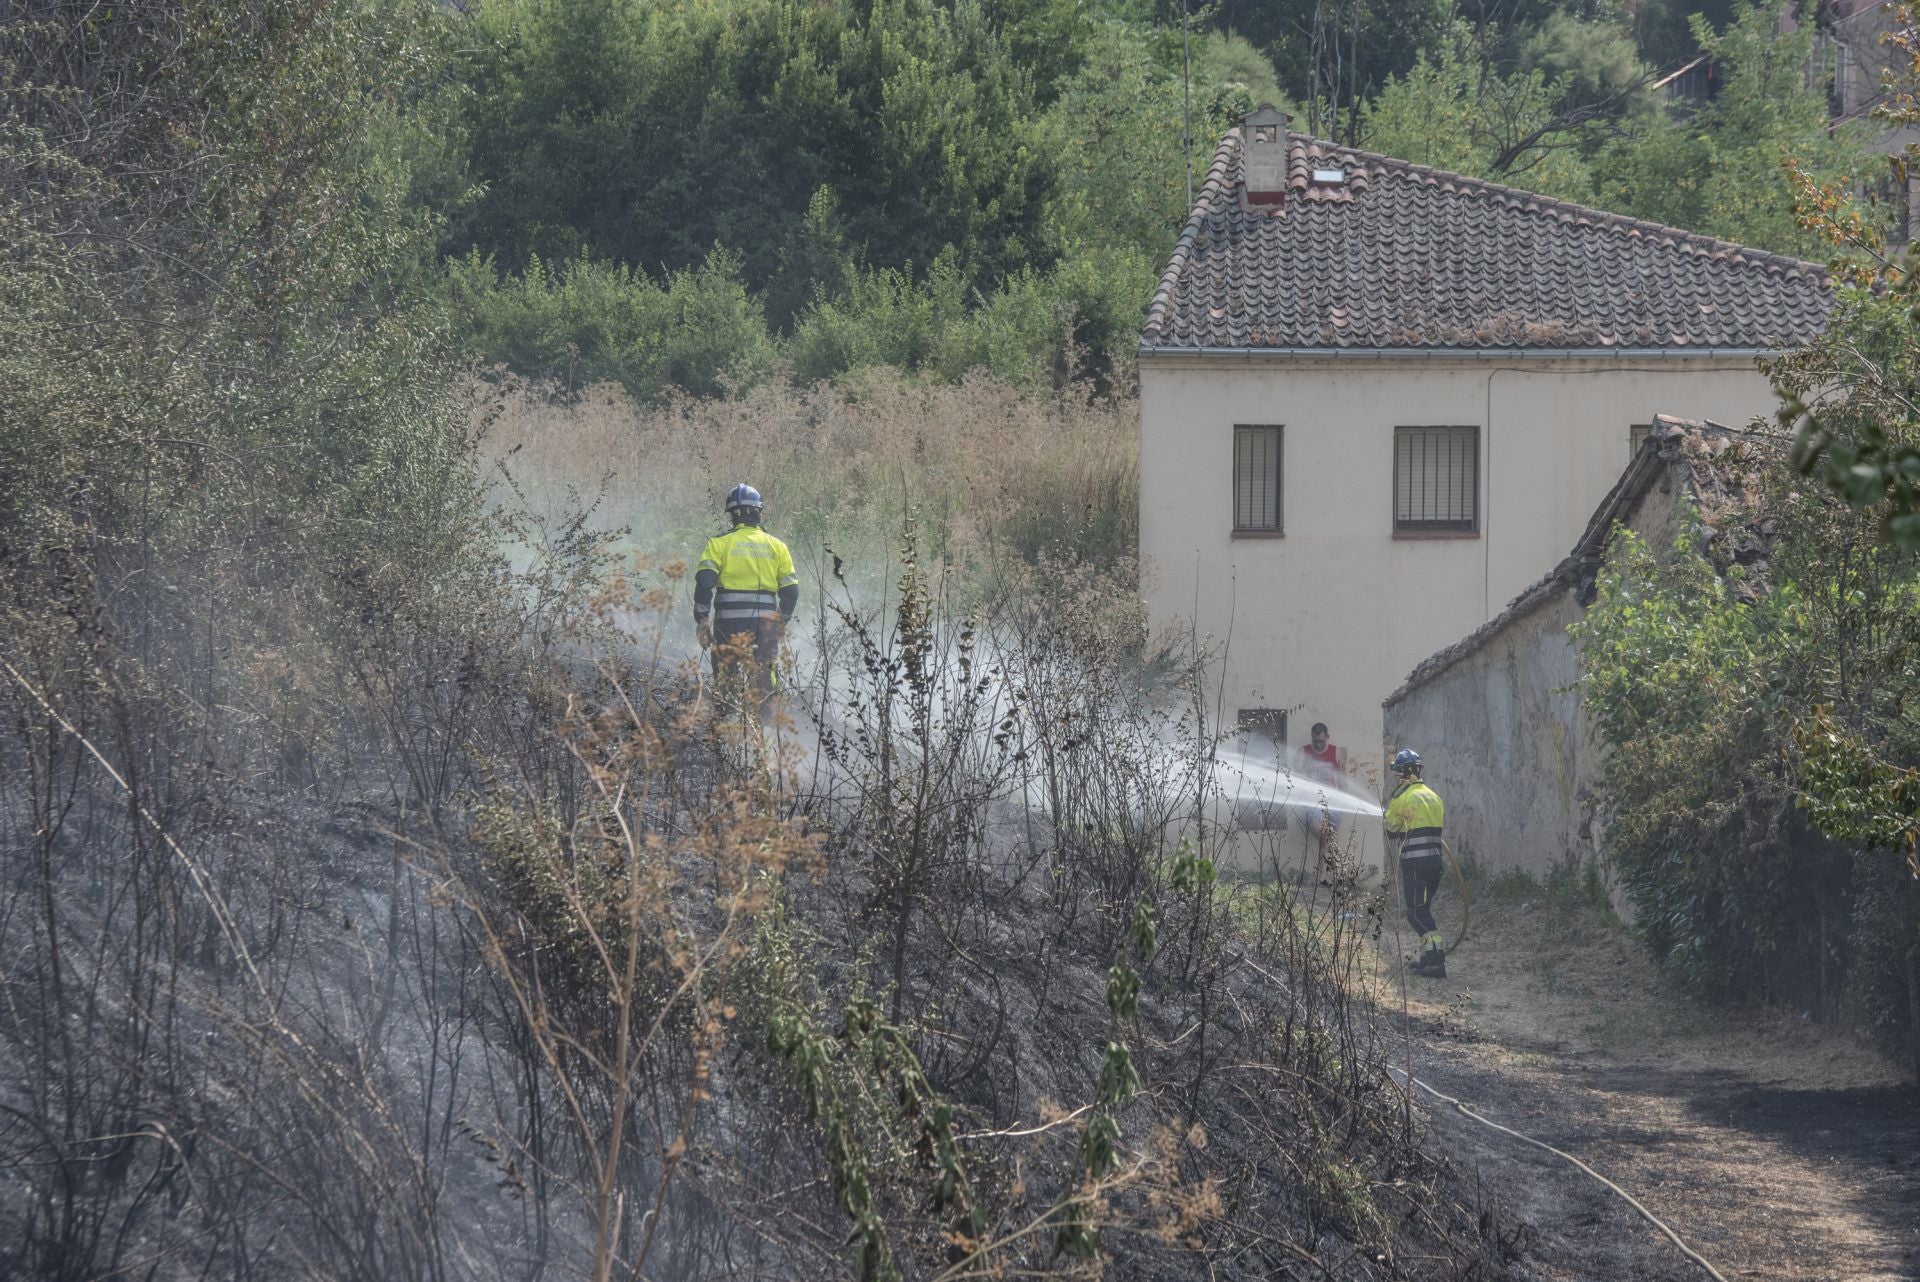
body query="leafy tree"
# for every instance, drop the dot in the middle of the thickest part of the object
(214, 313)
(1453, 111)
(584, 322)
(1749, 721)
(1115, 134)
(645, 134)
(1854, 395)
(1719, 170)
(1046, 38)
(1592, 65)
(1665, 30)
(1332, 55)
(1233, 75)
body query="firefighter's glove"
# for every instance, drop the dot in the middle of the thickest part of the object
(703, 630)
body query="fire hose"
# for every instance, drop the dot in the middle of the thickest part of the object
(1628, 1198)
(1466, 900)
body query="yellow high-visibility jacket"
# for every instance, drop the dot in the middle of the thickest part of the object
(751, 568)
(1416, 812)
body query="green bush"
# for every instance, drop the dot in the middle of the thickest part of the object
(1706, 686)
(1035, 330)
(587, 322)
(646, 133)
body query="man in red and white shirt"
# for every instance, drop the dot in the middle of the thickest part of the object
(1318, 770)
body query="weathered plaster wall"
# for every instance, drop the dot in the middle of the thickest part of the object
(1330, 618)
(1505, 744)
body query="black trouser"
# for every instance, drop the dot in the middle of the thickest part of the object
(754, 669)
(764, 646)
(1419, 883)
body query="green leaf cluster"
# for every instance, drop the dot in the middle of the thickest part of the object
(1749, 716)
(1563, 108)
(860, 1086)
(1720, 168)
(1453, 112)
(646, 134)
(820, 187)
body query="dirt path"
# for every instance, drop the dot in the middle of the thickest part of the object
(1774, 1147)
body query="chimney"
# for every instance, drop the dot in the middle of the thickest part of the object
(1263, 152)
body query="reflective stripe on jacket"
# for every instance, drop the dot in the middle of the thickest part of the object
(752, 566)
(1416, 813)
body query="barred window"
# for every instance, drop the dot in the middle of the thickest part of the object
(1636, 436)
(1436, 480)
(1264, 728)
(1256, 479)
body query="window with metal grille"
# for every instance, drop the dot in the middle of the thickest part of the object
(1256, 479)
(1637, 434)
(1264, 728)
(1436, 480)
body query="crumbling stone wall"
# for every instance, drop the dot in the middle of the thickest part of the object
(1505, 742)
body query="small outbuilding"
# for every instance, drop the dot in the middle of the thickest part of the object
(1498, 716)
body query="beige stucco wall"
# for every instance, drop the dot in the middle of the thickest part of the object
(1330, 618)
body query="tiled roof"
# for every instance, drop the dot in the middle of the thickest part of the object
(1402, 256)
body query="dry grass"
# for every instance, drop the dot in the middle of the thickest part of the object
(989, 473)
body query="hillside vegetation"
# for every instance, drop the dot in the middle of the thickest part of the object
(377, 904)
(705, 196)
(386, 893)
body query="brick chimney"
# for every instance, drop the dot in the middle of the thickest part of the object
(1263, 154)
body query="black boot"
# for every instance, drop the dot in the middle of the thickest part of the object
(1432, 965)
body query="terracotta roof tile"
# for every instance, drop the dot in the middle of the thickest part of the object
(1403, 256)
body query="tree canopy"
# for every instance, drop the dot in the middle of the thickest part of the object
(934, 182)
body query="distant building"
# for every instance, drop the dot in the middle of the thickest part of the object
(1378, 400)
(1852, 47)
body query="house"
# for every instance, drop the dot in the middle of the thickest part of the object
(1496, 714)
(1378, 400)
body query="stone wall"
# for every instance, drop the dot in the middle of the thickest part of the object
(1505, 743)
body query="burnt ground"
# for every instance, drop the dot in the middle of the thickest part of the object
(1775, 1147)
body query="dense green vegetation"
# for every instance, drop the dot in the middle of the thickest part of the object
(1747, 825)
(698, 196)
(1757, 683)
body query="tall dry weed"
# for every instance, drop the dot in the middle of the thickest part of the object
(991, 475)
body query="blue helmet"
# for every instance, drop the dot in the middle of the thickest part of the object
(744, 496)
(1406, 762)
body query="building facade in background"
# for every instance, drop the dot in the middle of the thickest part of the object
(1377, 401)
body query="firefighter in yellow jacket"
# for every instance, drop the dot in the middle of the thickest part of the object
(744, 592)
(1415, 814)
